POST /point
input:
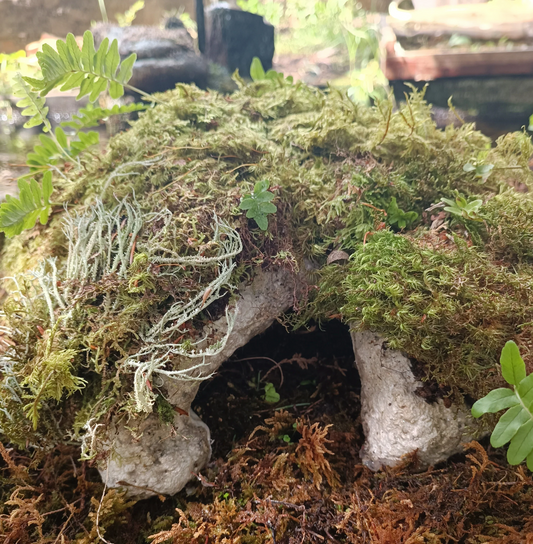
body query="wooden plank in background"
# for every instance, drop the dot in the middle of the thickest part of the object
(430, 64)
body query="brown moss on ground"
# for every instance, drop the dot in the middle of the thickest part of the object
(265, 486)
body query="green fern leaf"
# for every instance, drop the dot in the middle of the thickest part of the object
(93, 71)
(48, 152)
(91, 116)
(18, 214)
(33, 104)
(85, 140)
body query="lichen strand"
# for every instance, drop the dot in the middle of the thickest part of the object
(334, 168)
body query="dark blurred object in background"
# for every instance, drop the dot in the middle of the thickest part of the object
(235, 37)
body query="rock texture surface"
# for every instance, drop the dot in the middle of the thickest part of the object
(397, 421)
(150, 457)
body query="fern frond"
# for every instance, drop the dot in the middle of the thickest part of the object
(91, 116)
(93, 71)
(84, 141)
(33, 104)
(18, 214)
(50, 150)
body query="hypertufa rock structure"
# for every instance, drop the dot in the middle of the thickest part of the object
(152, 276)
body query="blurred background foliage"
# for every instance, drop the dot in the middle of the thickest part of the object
(341, 33)
(342, 29)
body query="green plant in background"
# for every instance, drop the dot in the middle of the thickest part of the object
(396, 216)
(307, 26)
(516, 425)
(273, 12)
(463, 208)
(13, 64)
(258, 204)
(127, 18)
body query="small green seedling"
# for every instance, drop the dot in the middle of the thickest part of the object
(257, 73)
(516, 425)
(258, 204)
(396, 216)
(482, 170)
(462, 208)
(271, 395)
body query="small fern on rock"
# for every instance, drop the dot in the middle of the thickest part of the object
(33, 104)
(92, 116)
(59, 146)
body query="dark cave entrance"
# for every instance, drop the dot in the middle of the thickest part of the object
(312, 371)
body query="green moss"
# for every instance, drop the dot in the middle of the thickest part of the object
(508, 230)
(165, 410)
(445, 304)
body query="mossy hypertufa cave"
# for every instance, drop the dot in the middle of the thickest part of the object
(136, 291)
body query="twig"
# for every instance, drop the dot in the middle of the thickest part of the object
(387, 125)
(374, 208)
(61, 509)
(300, 507)
(132, 252)
(97, 522)
(243, 165)
(277, 365)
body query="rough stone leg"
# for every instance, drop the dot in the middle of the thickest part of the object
(157, 458)
(397, 421)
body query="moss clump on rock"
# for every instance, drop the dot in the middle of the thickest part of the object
(444, 303)
(153, 238)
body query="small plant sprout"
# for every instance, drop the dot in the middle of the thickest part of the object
(271, 395)
(258, 204)
(516, 425)
(396, 216)
(257, 73)
(462, 208)
(482, 170)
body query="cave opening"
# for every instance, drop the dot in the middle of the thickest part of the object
(309, 373)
